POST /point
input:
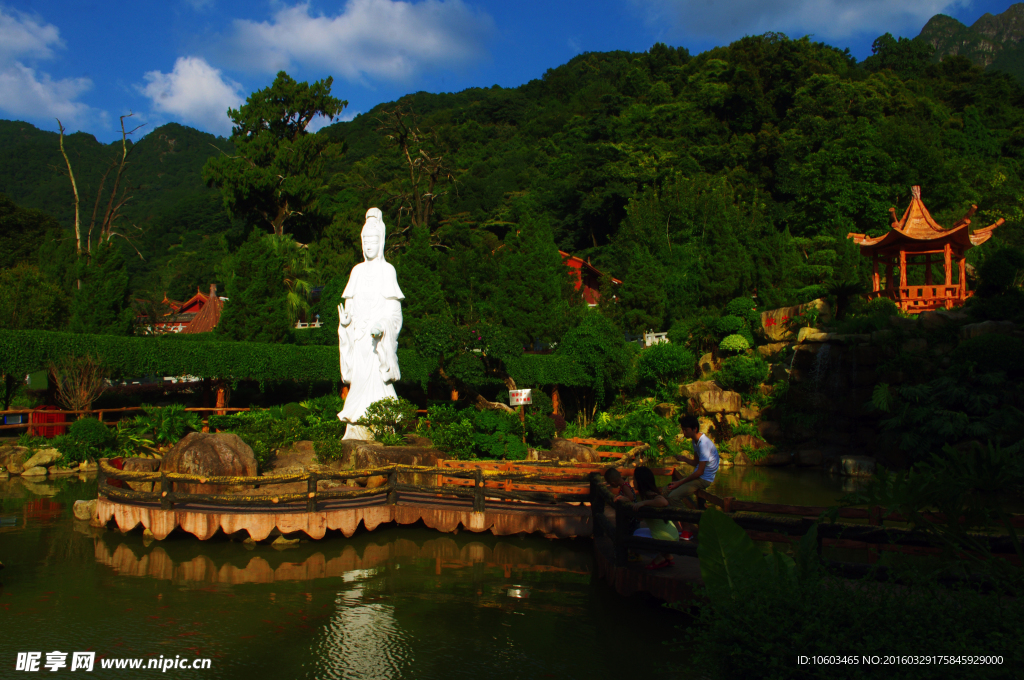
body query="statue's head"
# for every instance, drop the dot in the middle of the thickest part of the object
(373, 235)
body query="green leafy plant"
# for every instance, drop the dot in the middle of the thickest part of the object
(388, 419)
(166, 424)
(742, 373)
(91, 432)
(449, 430)
(498, 434)
(128, 440)
(734, 343)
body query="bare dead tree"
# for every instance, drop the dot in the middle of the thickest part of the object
(119, 196)
(79, 381)
(427, 167)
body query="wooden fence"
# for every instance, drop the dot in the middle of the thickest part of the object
(45, 418)
(777, 529)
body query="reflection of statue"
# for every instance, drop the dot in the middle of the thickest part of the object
(368, 328)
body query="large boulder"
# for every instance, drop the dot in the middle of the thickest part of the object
(43, 458)
(719, 402)
(210, 455)
(13, 456)
(142, 465)
(708, 364)
(695, 388)
(563, 449)
(974, 330)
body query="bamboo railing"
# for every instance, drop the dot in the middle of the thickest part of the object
(100, 414)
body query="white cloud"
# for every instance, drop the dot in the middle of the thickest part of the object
(386, 39)
(25, 92)
(194, 92)
(825, 19)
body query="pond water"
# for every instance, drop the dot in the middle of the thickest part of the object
(399, 602)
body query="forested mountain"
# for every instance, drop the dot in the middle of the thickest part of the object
(694, 179)
(992, 42)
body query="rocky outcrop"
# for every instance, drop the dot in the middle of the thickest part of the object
(210, 455)
(717, 402)
(563, 449)
(142, 465)
(43, 458)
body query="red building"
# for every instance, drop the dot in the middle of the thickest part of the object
(586, 277)
(199, 314)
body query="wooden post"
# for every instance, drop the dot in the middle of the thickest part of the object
(903, 269)
(101, 476)
(344, 391)
(556, 401)
(220, 400)
(311, 492)
(947, 253)
(393, 488)
(621, 534)
(455, 395)
(166, 496)
(478, 491)
(874, 275)
(963, 278)
(522, 420)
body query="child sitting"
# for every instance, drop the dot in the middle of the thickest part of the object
(621, 489)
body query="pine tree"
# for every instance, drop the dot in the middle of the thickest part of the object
(102, 304)
(420, 282)
(257, 305)
(533, 283)
(639, 304)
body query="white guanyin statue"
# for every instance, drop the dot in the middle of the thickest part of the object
(369, 321)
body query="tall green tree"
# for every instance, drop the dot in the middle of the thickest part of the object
(276, 175)
(257, 305)
(101, 298)
(420, 281)
(29, 300)
(534, 288)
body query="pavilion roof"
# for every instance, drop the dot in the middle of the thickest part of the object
(917, 225)
(207, 317)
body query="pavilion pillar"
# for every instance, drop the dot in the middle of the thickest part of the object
(874, 275)
(455, 395)
(344, 391)
(947, 253)
(962, 266)
(556, 400)
(927, 270)
(903, 269)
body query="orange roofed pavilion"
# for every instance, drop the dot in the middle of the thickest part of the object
(917, 240)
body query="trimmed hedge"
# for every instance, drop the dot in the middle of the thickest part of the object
(23, 352)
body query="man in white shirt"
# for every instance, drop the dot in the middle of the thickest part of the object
(705, 462)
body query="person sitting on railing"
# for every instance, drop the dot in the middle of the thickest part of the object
(705, 462)
(620, 487)
(659, 529)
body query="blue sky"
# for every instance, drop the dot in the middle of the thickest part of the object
(87, 63)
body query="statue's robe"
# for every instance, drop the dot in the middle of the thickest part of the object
(369, 365)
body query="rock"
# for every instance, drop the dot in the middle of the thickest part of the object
(696, 388)
(741, 441)
(731, 419)
(881, 337)
(856, 466)
(750, 412)
(809, 457)
(376, 481)
(937, 319)
(43, 458)
(13, 455)
(915, 346)
(142, 465)
(805, 334)
(88, 466)
(209, 455)
(666, 410)
(720, 402)
(974, 330)
(765, 390)
(85, 510)
(772, 348)
(37, 471)
(55, 471)
(706, 425)
(282, 543)
(708, 364)
(563, 449)
(770, 430)
(774, 460)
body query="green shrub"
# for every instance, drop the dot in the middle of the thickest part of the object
(328, 450)
(992, 352)
(746, 309)
(323, 409)
(638, 421)
(498, 435)
(74, 451)
(449, 431)
(734, 343)
(388, 418)
(166, 424)
(294, 410)
(728, 325)
(91, 432)
(664, 365)
(742, 373)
